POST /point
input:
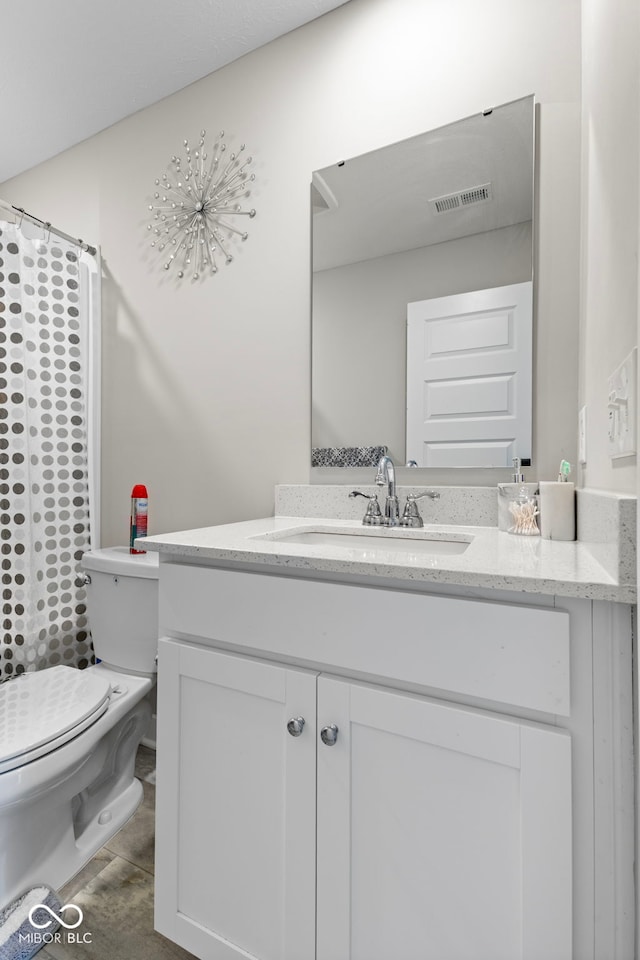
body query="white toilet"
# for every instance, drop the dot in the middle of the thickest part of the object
(68, 738)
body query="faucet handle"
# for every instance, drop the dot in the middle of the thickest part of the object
(411, 516)
(373, 516)
(432, 494)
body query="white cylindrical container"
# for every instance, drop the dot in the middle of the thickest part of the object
(557, 510)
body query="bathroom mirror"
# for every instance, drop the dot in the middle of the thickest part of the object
(445, 213)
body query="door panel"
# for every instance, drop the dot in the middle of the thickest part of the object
(426, 815)
(236, 826)
(469, 376)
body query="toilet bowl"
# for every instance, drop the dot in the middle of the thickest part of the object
(68, 738)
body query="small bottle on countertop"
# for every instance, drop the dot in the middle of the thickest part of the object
(517, 502)
(139, 516)
(558, 506)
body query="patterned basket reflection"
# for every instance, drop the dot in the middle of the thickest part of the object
(346, 456)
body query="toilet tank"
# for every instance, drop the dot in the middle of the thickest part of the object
(122, 606)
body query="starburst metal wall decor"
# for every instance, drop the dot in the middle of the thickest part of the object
(195, 210)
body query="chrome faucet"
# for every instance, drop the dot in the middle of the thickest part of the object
(387, 475)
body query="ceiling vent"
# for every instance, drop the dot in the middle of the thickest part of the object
(464, 198)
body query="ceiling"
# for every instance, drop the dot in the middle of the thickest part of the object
(383, 202)
(71, 68)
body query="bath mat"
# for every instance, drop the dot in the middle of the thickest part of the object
(17, 933)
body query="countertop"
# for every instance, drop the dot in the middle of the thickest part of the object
(493, 559)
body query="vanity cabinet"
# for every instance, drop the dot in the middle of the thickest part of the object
(441, 831)
(440, 822)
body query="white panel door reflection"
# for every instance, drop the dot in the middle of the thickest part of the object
(469, 378)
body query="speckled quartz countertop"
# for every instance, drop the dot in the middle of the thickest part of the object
(492, 559)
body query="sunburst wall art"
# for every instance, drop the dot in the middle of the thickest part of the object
(197, 211)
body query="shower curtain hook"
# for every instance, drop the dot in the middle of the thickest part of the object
(21, 212)
(48, 237)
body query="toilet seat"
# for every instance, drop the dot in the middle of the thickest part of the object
(40, 711)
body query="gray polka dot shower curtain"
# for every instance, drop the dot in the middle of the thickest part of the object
(44, 483)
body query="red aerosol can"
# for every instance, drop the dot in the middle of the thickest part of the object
(139, 514)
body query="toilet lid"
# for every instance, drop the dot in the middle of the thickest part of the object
(40, 711)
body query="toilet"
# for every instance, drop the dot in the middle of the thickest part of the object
(68, 737)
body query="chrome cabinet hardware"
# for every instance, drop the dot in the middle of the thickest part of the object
(295, 726)
(329, 734)
(83, 580)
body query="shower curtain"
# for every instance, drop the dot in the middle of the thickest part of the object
(47, 298)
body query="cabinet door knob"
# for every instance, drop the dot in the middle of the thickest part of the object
(295, 726)
(329, 734)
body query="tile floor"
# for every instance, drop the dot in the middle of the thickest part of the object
(115, 891)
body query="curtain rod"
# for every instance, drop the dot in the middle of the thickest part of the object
(45, 223)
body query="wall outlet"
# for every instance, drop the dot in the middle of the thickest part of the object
(622, 408)
(582, 435)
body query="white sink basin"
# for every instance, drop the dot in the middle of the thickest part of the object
(397, 541)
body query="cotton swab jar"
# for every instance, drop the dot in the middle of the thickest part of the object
(524, 516)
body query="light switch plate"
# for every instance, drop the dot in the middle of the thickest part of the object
(622, 391)
(582, 435)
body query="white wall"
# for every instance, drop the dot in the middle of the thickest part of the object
(610, 172)
(206, 386)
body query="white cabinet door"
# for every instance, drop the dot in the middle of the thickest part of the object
(235, 849)
(469, 366)
(444, 833)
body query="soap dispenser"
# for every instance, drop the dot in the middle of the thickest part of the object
(514, 494)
